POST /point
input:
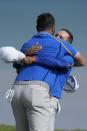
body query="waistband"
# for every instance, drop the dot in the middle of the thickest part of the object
(41, 83)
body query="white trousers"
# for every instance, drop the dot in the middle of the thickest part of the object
(33, 107)
(54, 109)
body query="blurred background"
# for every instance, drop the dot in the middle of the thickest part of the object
(18, 24)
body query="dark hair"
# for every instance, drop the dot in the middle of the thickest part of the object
(45, 21)
(70, 35)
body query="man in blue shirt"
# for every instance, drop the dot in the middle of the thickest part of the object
(31, 102)
(67, 36)
(71, 84)
(62, 34)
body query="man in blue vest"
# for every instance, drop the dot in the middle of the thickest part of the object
(32, 101)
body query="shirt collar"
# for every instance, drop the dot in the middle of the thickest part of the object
(42, 33)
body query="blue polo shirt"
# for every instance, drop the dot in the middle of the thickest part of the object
(53, 50)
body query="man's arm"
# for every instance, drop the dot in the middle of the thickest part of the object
(79, 60)
(43, 60)
(46, 60)
(78, 57)
(28, 52)
(51, 62)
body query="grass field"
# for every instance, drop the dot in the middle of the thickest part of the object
(7, 128)
(12, 128)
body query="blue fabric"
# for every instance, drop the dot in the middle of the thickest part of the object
(66, 61)
(69, 46)
(54, 51)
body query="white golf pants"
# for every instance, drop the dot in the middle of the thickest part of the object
(32, 106)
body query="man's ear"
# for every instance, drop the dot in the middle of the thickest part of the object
(53, 30)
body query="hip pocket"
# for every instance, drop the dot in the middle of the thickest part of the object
(55, 105)
(40, 97)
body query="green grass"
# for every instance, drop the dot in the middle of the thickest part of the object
(7, 128)
(12, 128)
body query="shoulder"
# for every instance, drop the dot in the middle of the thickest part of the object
(53, 39)
(70, 49)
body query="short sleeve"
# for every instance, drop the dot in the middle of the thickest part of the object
(68, 48)
(72, 49)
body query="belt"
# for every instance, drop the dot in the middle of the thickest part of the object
(32, 83)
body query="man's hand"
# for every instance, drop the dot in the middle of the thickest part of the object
(35, 48)
(28, 60)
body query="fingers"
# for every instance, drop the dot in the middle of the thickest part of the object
(25, 61)
(36, 47)
(28, 60)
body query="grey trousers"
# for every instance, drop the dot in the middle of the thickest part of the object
(54, 109)
(32, 106)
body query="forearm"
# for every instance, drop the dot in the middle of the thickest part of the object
(79, 60)
(53, 62)
(44, 60)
